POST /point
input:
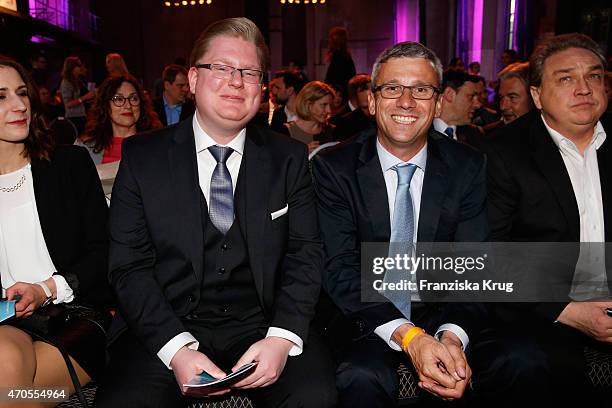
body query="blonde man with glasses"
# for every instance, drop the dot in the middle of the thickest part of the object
(216, 256)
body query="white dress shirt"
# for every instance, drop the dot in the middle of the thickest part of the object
(206, 166)
(24, 256)
(583, 170)
(387, 162)
(291, 116)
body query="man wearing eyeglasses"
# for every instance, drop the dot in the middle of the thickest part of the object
(216, 256)
(401, 183)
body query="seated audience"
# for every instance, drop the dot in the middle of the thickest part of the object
(53, 249)
(549, 181)
(284, 90)
(120, 110)
(484, 114)
(174, 105)
(359, 118)
(459, 99)
(313, 105)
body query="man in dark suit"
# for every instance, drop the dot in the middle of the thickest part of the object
(360, 200)
(549, 180)
(285, 90)
(215, 254)
(459, 100)
(174, 105)
(359, 117)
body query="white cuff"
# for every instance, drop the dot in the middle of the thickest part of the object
(385, 331)
(167, 352)
(456, 330)
(64, 293)
(298, 343)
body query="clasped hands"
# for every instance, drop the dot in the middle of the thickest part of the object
(441, 365)
(270, 353)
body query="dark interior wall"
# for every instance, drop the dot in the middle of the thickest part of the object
(150, 35)
(590, 17)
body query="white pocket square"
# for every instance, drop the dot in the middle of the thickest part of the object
(280, 212)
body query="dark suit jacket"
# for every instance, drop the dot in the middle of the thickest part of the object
(352, 123)
(73, 217)
(353, 208)
(279, 118)
(187, 110)
(157, 235)
(470, 135)
(530, 197)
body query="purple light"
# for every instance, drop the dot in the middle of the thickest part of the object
(406, 20)
(476, 43)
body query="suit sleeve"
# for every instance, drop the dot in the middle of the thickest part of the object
(132, 261)
(86, 276)
(342, 269)
(301, 266)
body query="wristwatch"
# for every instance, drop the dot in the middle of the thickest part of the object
(48, 294)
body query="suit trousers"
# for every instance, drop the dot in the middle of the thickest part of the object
(135, 378)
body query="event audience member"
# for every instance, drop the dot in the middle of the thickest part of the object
(484, 114)
(474, 68)
(313, 107)
(549, 181)
(53, 249)
(341, 67)
(73, 96)
(115, 65)
(120, 110)
(402, 183)
(459, 99)
(284, 89)
(514, 96)
(174, 105)
(359, 118)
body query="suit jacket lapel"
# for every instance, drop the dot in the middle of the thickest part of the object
(434, 187)
(184, 174)
(45, 193)
(373, 190)
(253, 184)
(604, 158)
(547, 158)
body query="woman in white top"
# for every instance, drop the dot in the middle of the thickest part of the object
(53, 246)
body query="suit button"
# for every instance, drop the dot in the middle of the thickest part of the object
(225, 309)
(221, 271)
(225, 247)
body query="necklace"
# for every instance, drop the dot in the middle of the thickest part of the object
(15, 187)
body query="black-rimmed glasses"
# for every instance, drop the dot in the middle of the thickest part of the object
(395, 91)
(119, 100)
(250, 76)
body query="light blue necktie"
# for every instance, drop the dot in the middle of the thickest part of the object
(402, 234)
(450, 132)
(221, 208)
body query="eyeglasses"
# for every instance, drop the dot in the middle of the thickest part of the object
(250, 76)
(395, 91)
(119, 100)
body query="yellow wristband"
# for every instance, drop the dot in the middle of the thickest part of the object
(410, 334)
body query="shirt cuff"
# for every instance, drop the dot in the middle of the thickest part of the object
(298, 343)
(167, 352)
(385, 331)
(64, 293)
(456, 330)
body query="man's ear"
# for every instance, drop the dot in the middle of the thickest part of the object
(192, 75)
(449, 94)
(535, 95)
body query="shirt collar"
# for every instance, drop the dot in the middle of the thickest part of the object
(203, 141)
(387, 160)
(599, 135)
(351, 106)
(167, 105)
(441, 125)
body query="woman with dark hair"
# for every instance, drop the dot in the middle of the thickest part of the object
(53, 248)
(71, 89)
(313, 107)
(121, 110)
(341, 66)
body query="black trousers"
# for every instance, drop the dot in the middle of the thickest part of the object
(135, 378)
(542, 366)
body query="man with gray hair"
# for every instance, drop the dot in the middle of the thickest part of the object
(401, 182)
(514, 97)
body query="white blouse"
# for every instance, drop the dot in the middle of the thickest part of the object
(23, 252)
